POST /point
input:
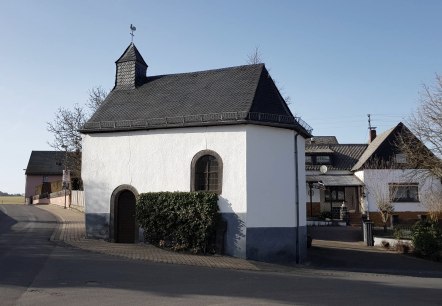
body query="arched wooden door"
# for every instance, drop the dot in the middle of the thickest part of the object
(125, 217)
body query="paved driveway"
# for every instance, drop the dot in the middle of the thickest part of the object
(342, 248)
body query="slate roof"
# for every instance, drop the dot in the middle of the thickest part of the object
(383, 146)
(343, 156)
(335, 180)
(46, 163)
(131, 54)
(320, 140)
(371, 149)
(235, 95)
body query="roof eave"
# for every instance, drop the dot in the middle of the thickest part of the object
(302, 131)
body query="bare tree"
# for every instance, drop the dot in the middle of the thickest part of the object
(96, 98)
(384, 195)
(423, 150)
(383, 192)
(254, 57)
(66, 125)
(431, 200)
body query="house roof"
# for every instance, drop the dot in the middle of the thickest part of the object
(375, 145)
(317, 149)
(336, 180)
(343, 156)
(46, 163)
(235, 95)
(131, 54)
(322, 140)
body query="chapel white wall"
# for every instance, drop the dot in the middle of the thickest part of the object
(160, 160)
(270, 178)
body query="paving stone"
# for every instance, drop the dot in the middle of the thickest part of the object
(71, 231)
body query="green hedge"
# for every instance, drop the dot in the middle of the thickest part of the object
(427, 238)
(178, 220)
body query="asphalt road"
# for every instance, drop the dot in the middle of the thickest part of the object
(34, 271)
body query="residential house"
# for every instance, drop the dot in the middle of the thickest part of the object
(330, 164)
(407, 188)
(155, 133)
(44, 180)
(43, 175)
(356, 175)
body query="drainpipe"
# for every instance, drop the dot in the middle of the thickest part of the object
(297, 198)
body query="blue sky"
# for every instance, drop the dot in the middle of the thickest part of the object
(337, 60)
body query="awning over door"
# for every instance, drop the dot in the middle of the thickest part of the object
(336, 180)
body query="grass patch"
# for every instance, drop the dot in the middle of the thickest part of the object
(12, 200)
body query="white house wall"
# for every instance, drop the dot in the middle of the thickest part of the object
(271, 192)
(380, 178)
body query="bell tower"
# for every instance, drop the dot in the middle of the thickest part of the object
(131, 69)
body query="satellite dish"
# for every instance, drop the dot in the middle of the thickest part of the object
(323, 169)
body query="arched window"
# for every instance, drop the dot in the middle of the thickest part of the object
(206, 172)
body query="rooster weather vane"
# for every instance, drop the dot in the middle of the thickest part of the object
(132, 29)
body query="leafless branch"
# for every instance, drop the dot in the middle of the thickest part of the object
(96, 98)
(424, 149)
(254, 57)
(66, 125)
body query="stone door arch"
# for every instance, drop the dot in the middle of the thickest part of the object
(123, 227)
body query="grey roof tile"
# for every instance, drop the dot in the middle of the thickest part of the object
(372, 147)
(321, 140)
(131, 54)
(46, 163)
(235, 95)
(344, 156)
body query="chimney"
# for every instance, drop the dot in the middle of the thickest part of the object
(131, 69)
(372, 135)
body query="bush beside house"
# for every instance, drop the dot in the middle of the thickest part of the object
(427, 239)
(181, 221)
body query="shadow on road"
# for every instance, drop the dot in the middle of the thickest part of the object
(6, 222)
(341, 248)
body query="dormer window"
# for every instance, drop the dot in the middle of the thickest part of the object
(318, 159)
(323, 160)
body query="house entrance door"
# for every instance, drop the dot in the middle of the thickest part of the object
(125, 218)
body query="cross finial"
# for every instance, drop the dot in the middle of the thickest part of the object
(132, 29)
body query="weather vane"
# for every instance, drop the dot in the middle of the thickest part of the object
(132, 29)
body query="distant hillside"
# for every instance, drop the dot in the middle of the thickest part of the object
(5, 194)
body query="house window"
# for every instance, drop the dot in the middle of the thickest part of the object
(404, 192)
(335, 194)
(317, 159)
(322, 159)
(206, 172)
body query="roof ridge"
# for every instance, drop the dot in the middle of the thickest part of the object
(204, 71)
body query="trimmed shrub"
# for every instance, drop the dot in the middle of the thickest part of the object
(427, 238)
(181, 221)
